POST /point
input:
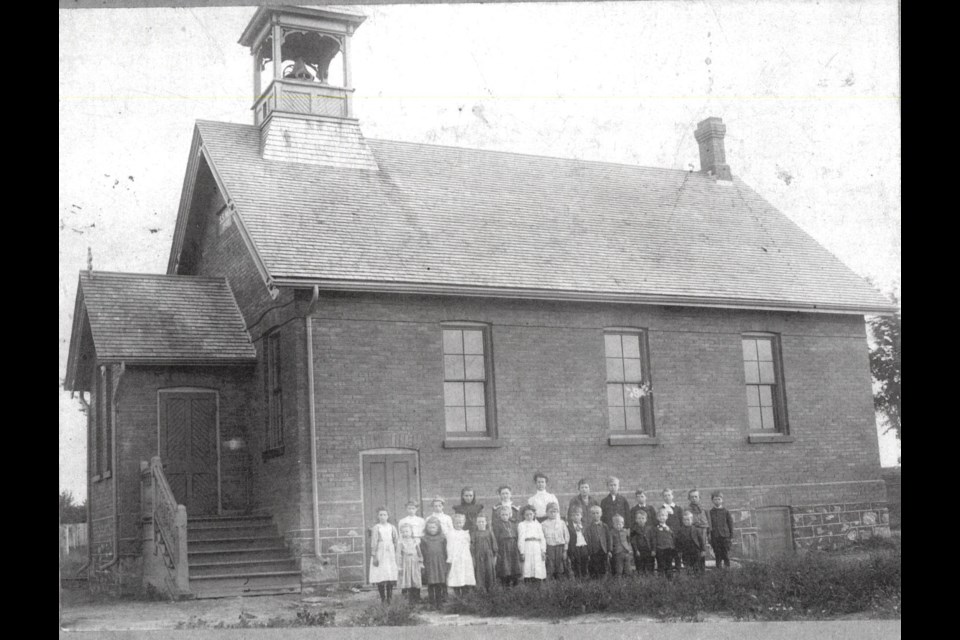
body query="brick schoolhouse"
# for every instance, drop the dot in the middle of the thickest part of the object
(347, 323)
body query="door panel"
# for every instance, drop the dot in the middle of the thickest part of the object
(775, 537)
(389, 480)
(188, 449)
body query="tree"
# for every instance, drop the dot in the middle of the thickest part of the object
(70, 511)
(885, 366)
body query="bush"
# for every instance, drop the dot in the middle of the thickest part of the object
(801, 587)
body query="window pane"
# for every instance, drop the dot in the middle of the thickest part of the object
(631, 346)
(615, 369)
(473, 395)
(756, 423)
(631, 395)
(616, 419)
(753, 396)
(765, 350)
(452, 341)
(473, 368)
(766, 373)
(766, 396)
(751, 372)
(473, 341)
(453, 367)
(615, 395)
(749, 349)
(631, 370)
(456, 420)
(453, 394)
(768, 420)
(611, 345)
(634, 419)
(476, 419)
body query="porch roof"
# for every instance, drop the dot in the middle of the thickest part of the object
(155, 319)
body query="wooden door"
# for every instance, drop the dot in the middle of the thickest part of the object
(389, 480)
(774, 533)
(188, 449)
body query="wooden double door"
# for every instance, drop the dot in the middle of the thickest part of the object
(389, 480)
(188, 449)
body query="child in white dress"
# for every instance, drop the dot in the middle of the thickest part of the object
(533, 546)
(459, 556)
(446, 522)
(384, 552)
(411, 563)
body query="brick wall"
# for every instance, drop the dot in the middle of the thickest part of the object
(379, 384)
(137, 434)
(217, 249)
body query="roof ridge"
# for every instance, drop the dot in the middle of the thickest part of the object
(133, 274)
(538, 155)
(496, 151)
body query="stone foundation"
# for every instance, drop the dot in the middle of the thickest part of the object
(832, 526)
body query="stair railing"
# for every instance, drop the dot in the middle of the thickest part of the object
(168, 531)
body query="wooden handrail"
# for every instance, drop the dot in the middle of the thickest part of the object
(169, 520)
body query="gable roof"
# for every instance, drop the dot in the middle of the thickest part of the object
(157, 319)
(463, 221)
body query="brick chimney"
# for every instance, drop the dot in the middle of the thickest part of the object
(713, 157)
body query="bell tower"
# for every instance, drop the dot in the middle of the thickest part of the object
(302, 86)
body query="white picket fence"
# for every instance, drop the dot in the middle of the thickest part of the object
(73, 538)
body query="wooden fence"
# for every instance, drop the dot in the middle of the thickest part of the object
(73, 538)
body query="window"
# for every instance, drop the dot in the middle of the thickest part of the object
(273, 441)
(629, 401)
(102, 397)
(467, 388)
(763, 376)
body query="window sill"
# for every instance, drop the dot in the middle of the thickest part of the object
(765, 438)
(272, 453)
(472, 443)
(629, 440)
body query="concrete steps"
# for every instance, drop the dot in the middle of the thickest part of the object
(238, 555)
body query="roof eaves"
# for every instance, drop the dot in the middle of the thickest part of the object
(232, 361)
(186, 202)
(76, 337)
(417, 288)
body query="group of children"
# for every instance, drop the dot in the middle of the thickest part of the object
(533, 542)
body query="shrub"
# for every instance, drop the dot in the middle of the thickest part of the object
(809, 586)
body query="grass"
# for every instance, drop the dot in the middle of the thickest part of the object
(396, 614)
(304, 618)
(812, 586)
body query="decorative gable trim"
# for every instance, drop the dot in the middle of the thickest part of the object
(197, 151)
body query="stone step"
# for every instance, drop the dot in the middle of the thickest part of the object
(260, 583)
(231, 543)
(237, 531)
(246, 592)
(208, 522)
(241, 567)
(265, 552)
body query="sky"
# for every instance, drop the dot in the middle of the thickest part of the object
(809, 92)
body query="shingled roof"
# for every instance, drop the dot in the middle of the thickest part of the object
(159, 319)
(450, 220)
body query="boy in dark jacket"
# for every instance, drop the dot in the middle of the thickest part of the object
(598, 543)
(691, 542)
(721, 530)
(674, 514)
(621, 550)
(643, 539)
(614, 503)
(665, 547)
(578, 550)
